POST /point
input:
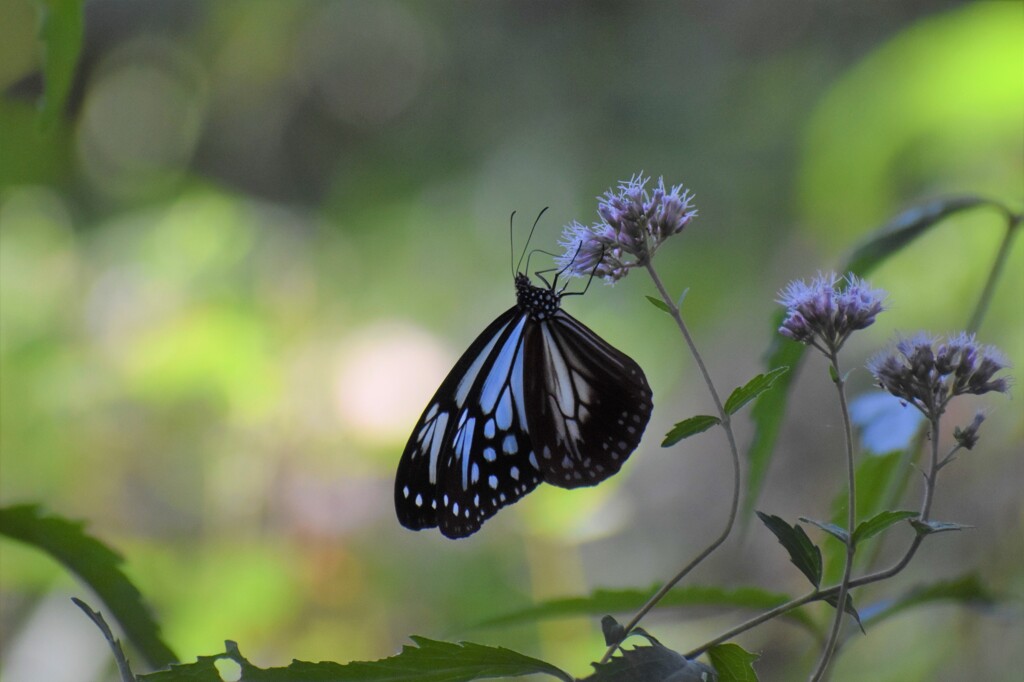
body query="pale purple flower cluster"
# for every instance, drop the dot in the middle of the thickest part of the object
(634, 223)
(823, 312)
(927, 372)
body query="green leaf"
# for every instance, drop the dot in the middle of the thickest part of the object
(838, 532)
(629, 600)
(929, 527)
(769, 411)
(659, 304)
(804, 554)
(733, 663)
(689, 427)
(428, 661)
(97, 565)
(833, 599)
(61, 27)
(753, 388)
(879, 522)
(894, 236)
(967, 589)
(655, 663)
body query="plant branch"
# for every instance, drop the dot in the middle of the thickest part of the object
(851, 521)
(734, 451)
(884, 574)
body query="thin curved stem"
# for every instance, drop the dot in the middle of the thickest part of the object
(734, 451)
(851, 521)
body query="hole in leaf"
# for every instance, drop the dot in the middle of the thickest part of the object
(229, 670)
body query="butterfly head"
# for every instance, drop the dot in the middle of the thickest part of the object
(539, 302)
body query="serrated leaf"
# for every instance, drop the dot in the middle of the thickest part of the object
(428, 661)
(770, 408)
(879, 522)
(655, 663)
(629, 600)
(753, 388)
(733, 663)
(833, 599)
(804, 554)
(967, 589)
(836, 531)
(930, 527)
(689, 427)
(659, 304)
(96, 617)
(61, 26)
(97, 566)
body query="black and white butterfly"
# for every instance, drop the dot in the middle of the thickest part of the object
(537, 397)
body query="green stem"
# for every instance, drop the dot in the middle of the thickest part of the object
(851, 521)
(734, 451)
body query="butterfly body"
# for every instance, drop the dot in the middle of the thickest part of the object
(537, 397)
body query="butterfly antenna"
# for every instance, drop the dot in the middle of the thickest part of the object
(590, 279)
(511, 244)
(528, 240)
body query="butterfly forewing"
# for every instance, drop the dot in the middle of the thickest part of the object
(590, 406)
(470, 453)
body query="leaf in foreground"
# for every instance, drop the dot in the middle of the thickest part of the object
(428, 661)
(753, 388)
(655, 663)
(689, 427)
(804, 554)
(115, 646)
(733, 663)
(97, 565)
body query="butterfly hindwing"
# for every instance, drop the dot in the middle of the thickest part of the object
(589, 402)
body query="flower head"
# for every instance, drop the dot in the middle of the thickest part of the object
(928, 372)
(824, 312)
(634, 223)
(967, 437)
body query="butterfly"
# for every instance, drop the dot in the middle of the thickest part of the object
(537, 397)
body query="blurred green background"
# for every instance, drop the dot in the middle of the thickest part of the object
(235, 269)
